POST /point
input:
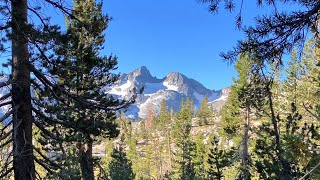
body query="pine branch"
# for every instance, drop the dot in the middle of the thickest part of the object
(7, 83)
(8, 113)
(50, 134)
(6, 143)
(5, 97)
(42, 164)
(310, 172)
(310, 112)
(88, 103)
(53, 121)
(62, 8)
(53, 164)
(4, 174)
(6, 103)
(38, 15)
(6, 135)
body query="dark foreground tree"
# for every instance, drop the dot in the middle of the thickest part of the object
(23, 164)
(82, 72)
(31, 62)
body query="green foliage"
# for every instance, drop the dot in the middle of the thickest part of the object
(120, 166)
(204, 114)
(186, 146)
(164, 118)
(71, 168)
(217, 159)
(199, 159)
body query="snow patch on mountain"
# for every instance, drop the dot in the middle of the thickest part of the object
(170, 87)
(173, 88)
(121, 90)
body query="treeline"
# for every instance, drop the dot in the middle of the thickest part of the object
(163, 146)
(268, 128)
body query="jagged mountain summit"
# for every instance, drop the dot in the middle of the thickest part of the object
(173, 88)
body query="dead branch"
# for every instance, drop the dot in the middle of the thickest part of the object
(310, 112)
(310, 172)
(5, 127)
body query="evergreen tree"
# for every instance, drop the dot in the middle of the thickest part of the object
(217, 160)
(164, 114)
(199, 158)
(34, 79)
(204, 113)
(23, 158)
(186, 146)
(84, 114)
(120, 166)
(30, 42)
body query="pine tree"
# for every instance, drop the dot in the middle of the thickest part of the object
(217, 160)
(120, 166)
(204, 113)
(84, 114)
(33, 80)
(23, 39)
(23, 161)
(186, 146)
(199, 158)
(164, 114)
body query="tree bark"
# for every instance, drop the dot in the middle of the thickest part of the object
(23, 161)
(86, 160)
(245, 144)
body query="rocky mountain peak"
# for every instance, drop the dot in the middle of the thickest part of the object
(142, 71)
(175, 78)
(173, 88)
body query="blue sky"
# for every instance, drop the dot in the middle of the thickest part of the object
(177, 35)
(172, 35)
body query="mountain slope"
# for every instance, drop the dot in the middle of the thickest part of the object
(173, 88)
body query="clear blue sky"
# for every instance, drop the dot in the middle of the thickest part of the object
(172, 35)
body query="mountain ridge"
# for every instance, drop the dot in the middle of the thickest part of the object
(173, 88)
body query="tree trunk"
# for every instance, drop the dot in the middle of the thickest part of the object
(286, 172)
(23, 162)
(245, 143)
(86, 161)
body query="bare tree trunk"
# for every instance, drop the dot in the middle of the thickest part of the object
(86, 160)
(23, 162)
